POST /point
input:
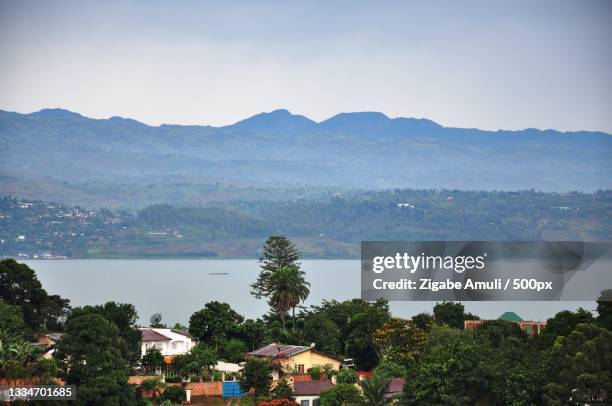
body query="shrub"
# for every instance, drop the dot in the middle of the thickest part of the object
(315, 373)
(282, 390)
(150, 384)
(341, 394)
(174, 394)
(390, 369)
(346, 376)
(256, 377)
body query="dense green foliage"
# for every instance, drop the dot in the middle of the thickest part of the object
(281, 281)
(564, 323)
(399, 340)
(200, 358)
(21, 360)
(451, 314)
(373, 389)
(257, 377)
(278, 252)
(324, 227)
(499, 364)
(341, 394)
(90, 357)
(214, 323)
(20, 287)
(123, 316)
(581, 367)
(11, 320)
(496, 364)
(390, 369)
(288, 288)
(174, 394)
(152, 359)
(282, 390)
(346, 376)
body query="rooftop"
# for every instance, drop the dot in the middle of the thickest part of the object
(510, 316)
(303, 388)
(163, 334)
(279, 350)
(152, 335)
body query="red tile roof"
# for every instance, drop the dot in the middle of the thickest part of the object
(152, 335)
(303, 388)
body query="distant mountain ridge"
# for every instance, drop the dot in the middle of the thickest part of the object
(365, 150)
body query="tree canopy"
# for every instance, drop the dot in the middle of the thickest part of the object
(19, 286)
(90, 357)
(214, 323)
(257, 377)
(123, 316)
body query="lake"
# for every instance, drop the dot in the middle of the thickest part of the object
(177, 288)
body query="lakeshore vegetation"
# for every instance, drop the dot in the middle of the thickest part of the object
(329, 226)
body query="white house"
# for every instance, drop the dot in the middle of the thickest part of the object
(170, 342)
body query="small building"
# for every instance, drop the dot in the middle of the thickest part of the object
(294, 358)
(395, 388)
(528, 327)
(48, 343)
(228, 367)
(170, 342)
(306, 393)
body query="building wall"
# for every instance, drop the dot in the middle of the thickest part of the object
(528, 327)
(309, 359)
(161, 345)
(310, 399)
(178, 344)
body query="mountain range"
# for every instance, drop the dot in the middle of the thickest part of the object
(55, 154)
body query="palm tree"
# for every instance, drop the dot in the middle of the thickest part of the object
(374, 389)
(287, 287)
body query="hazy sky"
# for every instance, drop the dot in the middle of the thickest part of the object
(487, 64)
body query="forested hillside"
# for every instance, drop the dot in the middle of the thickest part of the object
(62, 156)
(326, 227)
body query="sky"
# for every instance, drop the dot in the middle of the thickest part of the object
(485, 64)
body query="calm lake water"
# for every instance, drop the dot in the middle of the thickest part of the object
(177, 288)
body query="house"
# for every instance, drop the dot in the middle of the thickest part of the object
(528, 327)
(48, 343)
(306, 393)
(294, 358)
(170, 342)
(394, 389)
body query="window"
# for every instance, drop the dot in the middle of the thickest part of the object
(315, 402)
(305, 402)
(300, 368)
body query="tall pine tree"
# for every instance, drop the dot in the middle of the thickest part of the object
(278, 252)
